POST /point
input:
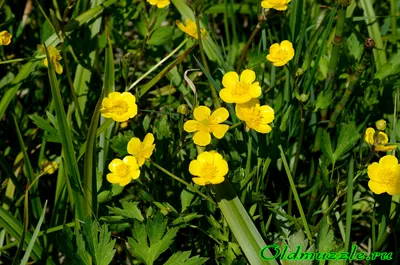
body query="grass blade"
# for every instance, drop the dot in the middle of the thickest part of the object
(24, 260)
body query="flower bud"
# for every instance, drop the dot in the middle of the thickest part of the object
(381, 125)
(183, 109)
(123, 125)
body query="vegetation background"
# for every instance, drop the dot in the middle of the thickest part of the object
(304, 183)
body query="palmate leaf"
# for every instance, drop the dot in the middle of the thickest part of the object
(182, 258)
(154, 232)
(129, 210)
(120, 142)
(100, 247)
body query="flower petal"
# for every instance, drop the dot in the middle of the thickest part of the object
(202, 138)
(376, 187)
(369, 136)
(217, 180)
(134, 146)
(199, 181)
(255, 90)
(388, 161)
(113, 178)
(220, 115)
(114, 164)
(148, 140)
(205, 157)
(191, 126)
(226, 95)
(195, 168)
(125, 181)
(247, 76)
(263, 128)
(373, 171)
(230, 80)
(201, 113)
(219, 130)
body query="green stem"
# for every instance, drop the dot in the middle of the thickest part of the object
(182, 181)
(369, 44)
(204, 60)
(233, 126)
(157, 65)
(261, 21)
(349, 205)
(296, 195)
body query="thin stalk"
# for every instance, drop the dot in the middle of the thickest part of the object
(41, 57)
(157, 65)
(296, 195)
(233, 126)
(205, 64)
(349, 205)
(369, 44)
(182, 181)
(261, 20)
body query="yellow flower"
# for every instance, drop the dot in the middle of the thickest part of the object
(159, 3)
(49, 167)
(256, 117)
(5, 38)
(275, 4)
(190, 28)
(280, 54)
(378, 140)
(123, 171)
(119, 107)
(239, 91)
(55, 56)
(206, 123)
(141, 151)
(385, 176)
(210, 168)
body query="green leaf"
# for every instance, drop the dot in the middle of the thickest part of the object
(161, 36)
(73, 247)
(347, 138)
(355, 48)
(325, 240)
(119, 143)
(390, 68)
(294, 242)
(326, 146)
(129, 210)
(182, 258)
(323, 101)
(43, 124)
(186, 198)
(154, 232)
(100, 247)
(186, 218)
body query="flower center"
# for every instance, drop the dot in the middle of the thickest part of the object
(241, 88)
(281, 54)
(387, 176)
(119, 107)
(208, 171)
(381, 139)
(123, 170)
(205, 125)
(193, 31)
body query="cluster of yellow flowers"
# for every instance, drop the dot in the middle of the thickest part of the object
(123, 171)
(385, 175)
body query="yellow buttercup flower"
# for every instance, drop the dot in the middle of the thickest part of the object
(385, 176)
(159, 3)
(256, 117)
(119, 107)
(123, 171)
(378, 140)
(54, 57)
(206, 123)
(280, 54)
(49, 167)
(5, 38)
(239, 91)
(190, 28)
(141, 151)
(275, 4)
(209, 168)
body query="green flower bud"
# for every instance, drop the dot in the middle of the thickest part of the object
(183, 109)
(381, 125)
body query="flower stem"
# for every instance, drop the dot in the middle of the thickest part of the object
(261, 21)
(204, 60)
(182, 181)
(296, 195)
(236, 125)
(157, 65)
